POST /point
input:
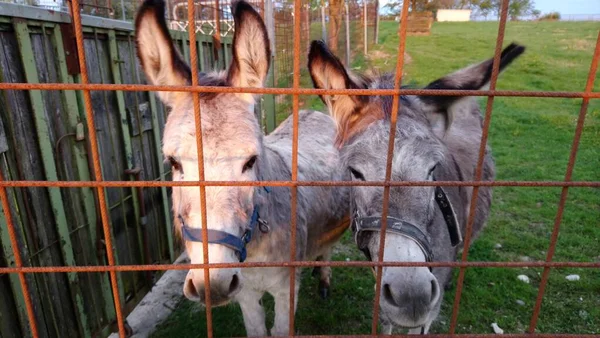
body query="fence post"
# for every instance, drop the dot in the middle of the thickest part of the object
(216, 36)
(323, 26)
(365, 24)
(376, 22)
(347, 35)
(268, 106)
(307, 26)
(123, 10)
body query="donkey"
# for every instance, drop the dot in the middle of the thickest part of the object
(437, 138)
(243, 222)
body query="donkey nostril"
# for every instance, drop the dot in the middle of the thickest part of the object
(434, 290)
(235, 283)
(387, 294)
(191, 289)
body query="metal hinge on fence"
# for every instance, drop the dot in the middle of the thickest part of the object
(70, 46)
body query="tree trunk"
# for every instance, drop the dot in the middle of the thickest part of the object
(335, 19)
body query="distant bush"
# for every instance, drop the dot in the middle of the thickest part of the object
(552, 16)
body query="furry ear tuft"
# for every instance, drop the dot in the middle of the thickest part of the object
(251, 50)
(350, 112)
(473, 77)
(162, 63)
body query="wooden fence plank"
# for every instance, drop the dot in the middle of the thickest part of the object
(113, 55)
(13, 108)
(45, 144)
(13, 278)
(110, 155)
(83, 170)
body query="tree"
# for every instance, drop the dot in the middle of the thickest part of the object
(485, 7)
(393, 8)
(516, 8)
(335, 21)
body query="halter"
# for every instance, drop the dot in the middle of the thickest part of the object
(238, 244)
(398, 226)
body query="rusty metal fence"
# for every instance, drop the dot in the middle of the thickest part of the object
(100, 185)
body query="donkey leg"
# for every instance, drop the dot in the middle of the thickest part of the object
(253, 312)
(387, 329)
(282, 307)
(325, 275)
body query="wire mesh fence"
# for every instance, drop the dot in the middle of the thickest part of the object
(289, 53)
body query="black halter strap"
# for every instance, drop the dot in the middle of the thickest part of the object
(449, 216)
(406, 229)
(394, 225)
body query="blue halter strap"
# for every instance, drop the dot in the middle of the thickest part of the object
(238, 244)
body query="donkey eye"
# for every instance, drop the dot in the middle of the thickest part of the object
(175, 165)
(357, 174)
(249, 164)
(430, 172)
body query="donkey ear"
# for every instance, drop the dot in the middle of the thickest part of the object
(251, 49)
(474, 77)
(161, 62)
(328, 72)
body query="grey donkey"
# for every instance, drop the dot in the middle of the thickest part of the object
(243, 222)
(437, 138)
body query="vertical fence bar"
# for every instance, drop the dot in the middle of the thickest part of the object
(198, 122)
(76, 15)
(388, 167)
(294, 189)
(480, 160)
(565, 190)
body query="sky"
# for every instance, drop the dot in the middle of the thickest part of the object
(564, 7)
(569, 6)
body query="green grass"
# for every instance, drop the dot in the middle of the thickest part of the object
(531, 139)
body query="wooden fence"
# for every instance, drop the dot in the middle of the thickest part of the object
(43, 137)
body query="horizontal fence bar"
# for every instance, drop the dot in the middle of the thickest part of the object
(154, 184)
(297, 264)
(292, 91)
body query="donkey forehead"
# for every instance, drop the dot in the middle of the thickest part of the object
(415, 146)
(229, 129)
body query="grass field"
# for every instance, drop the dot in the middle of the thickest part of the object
(531, 139)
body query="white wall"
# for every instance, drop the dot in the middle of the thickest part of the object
(454, 15)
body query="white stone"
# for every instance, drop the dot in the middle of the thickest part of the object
(497, 329)
(520, 302)
(572, 278)
(498, 246)
(523, 278)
